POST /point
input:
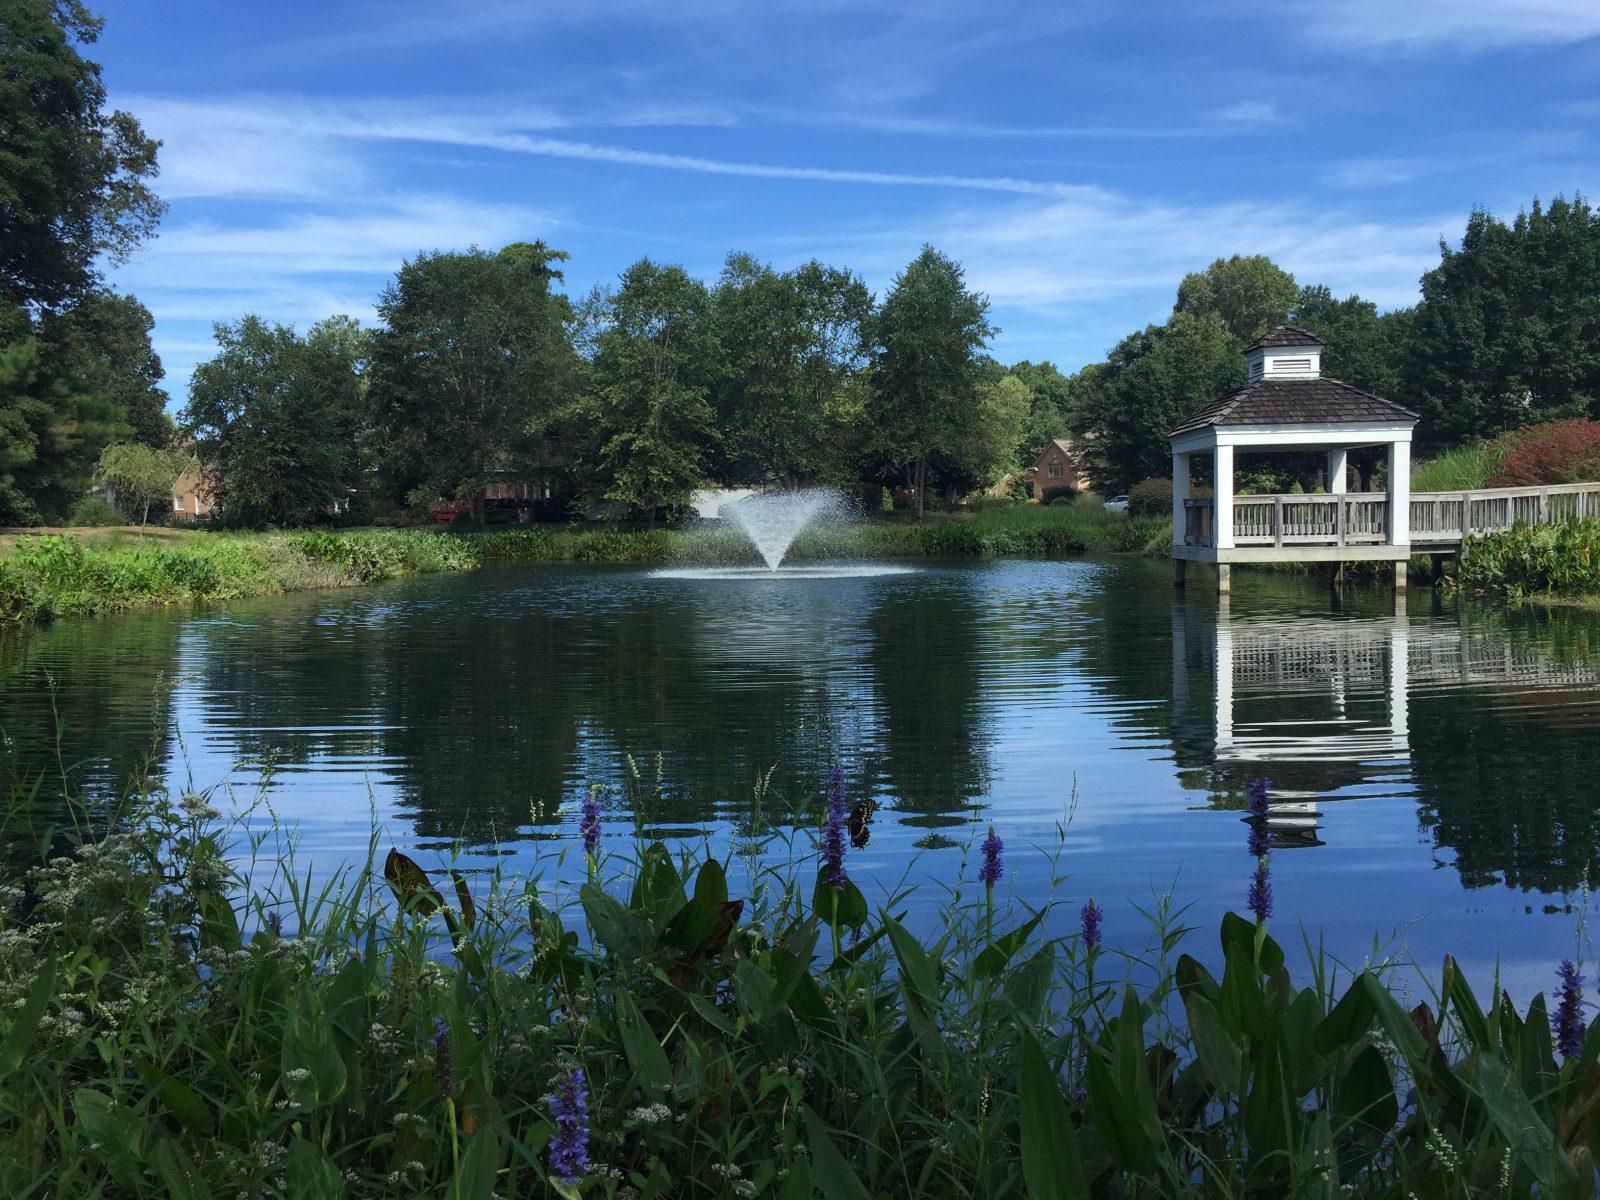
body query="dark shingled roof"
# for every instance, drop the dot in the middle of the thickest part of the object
(1286, 335)
(1295, 402)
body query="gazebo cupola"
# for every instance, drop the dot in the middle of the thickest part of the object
(1287, 404)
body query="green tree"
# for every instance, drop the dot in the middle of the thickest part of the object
(1048, 409)
(655, 360)
(989, 451)
(102, 340)
(1249, 295)
(1508, 331)
(142, 475)
(1363, 348)
(1150, 382)
(792, 345)
(272, 417)
(929, 335)
(472, 372)
(73, 176)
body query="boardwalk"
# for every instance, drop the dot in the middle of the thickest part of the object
(1357, 525)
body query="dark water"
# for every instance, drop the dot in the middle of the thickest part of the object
(1436, 772)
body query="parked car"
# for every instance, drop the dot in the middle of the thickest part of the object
(1116, 504)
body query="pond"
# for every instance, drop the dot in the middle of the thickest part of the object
(1435, 768)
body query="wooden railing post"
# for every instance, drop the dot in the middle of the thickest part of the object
(1277, 520)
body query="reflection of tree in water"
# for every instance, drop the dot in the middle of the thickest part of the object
(1507, 781)
(87, 698)
(926, 660)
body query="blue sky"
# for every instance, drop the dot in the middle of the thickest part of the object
(1077, 157)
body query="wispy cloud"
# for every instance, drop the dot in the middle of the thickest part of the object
(1460, 24)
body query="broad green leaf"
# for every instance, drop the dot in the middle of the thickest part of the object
(1236, 931)
(1534, 1143)
(1349, 1020)
(830, 1172)
(842, 908)
(644, 1052)
(1051, 1163)
(798, 1185)
(1115, 1122)
(178, 1098)
(18, 1041)
(480, 1166)
(411, 885)
(711, 884)
(178, 1173)
(1243, 1007)
(994, 957)
(312, 1174)
(1219, 1057)
(1366, 1094)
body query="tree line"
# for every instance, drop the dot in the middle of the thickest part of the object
(483, 371)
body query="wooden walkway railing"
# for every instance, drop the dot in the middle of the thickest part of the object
(1362, 518)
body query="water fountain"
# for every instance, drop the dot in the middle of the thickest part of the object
(772, 521)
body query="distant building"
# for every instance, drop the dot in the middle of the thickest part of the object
(190, 498)
(1057, 467)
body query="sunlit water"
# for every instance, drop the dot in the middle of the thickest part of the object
(1436, 773)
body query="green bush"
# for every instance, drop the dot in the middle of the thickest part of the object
(1559, 559)
(1051, 494)
(94, 510)
(1150, 498)
(1459, 470)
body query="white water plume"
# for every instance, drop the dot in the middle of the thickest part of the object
(772, 520)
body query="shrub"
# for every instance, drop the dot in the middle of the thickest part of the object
(1555, 452)
(1051, 494)
(1150, 498)
(93, 510)
(1459, 470)
(1559, 559)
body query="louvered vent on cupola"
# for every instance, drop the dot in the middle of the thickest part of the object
(1285, 353)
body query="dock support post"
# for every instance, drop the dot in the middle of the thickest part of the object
(1224, 578)
(1400, 575)
(1180, 568)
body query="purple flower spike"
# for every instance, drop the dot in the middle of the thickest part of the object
(989, 873)
(1567, 1021)
(589, 827)
(833, 832)
(1260, 810)
(569, 1145)
(444, 1062)
(1259, 901)
(1092, 914)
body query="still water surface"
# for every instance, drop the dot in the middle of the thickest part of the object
(1436, 769)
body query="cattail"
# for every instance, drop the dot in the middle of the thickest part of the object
(1091, 923)
(989, 873)
(569, 1144)
(833, 832)
(1567, 1021)
(589, 826)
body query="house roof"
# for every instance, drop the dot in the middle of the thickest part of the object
(1056, 445)
(1296, 402)
(1286, 335)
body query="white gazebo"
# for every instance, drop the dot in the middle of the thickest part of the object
(1287, 405)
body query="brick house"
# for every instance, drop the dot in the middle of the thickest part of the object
(190, 501)
(1055, 467)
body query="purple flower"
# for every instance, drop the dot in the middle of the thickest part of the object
(589, 827)
(1259, 901)
(1091, 923)
(569, 1145)
(833, 832)
(1567, 1021)
(444, 1063)
(1256, 803)
(989, 873)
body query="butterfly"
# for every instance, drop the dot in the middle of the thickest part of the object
(861, 823)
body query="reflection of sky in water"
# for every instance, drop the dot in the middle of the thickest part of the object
(1411, 754)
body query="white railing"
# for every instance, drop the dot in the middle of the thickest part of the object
(1454, 516)
(1362, 518)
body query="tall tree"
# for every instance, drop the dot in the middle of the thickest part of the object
(929, 335)
(271, 416)
(1249, 295)
(1508, 331)
(1150, 382)
(989, 451)
(143, 475)
(655, 360)
(471, 372)
(792, 345)
(73, 176)
(102, 341)
(1049, 402)
(1363, 348)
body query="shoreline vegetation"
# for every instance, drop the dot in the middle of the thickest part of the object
(688, 1025)
(69, 575)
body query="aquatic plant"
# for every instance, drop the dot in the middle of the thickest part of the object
(158, 1038)
(1567, 1021)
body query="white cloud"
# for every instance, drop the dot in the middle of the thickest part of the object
(1462, 24)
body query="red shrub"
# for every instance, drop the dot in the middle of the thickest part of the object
(1555, 452)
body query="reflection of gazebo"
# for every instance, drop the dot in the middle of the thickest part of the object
(1288, 406)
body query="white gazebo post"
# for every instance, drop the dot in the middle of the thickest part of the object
(1400, 501)
(1338, 471)
(1180, 513)
(1222, 511)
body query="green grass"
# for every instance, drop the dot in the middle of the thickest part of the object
(64, 575)
(1460, 470)
(168, 1028)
